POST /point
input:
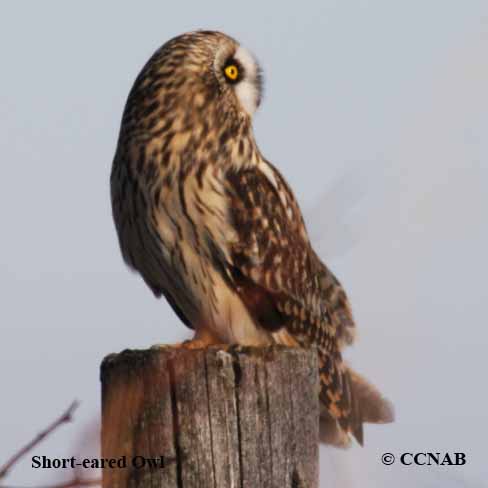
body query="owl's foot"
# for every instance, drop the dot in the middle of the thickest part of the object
(201, 340)
(194, 344)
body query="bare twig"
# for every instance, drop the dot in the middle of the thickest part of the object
(65, 417)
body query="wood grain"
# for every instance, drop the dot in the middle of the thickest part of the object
(219, 418)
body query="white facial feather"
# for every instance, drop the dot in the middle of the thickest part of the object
(246, 89)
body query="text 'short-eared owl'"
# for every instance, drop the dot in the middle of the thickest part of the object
(210, 224)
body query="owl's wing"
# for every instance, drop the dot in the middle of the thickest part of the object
(281, 279)
(284, 285)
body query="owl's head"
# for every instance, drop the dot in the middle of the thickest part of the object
(200, 76)
(231, 70)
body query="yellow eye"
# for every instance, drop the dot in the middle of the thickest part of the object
(232, 72)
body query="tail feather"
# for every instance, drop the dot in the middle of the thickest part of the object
(374, 407)
(364, 404)
(330, 432)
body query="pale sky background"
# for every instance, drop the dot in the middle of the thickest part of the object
(377, 114)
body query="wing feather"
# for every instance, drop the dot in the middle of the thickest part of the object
(283, 283)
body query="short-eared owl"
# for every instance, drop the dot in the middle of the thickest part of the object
(210, 224)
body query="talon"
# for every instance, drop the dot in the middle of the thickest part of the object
(195, 344)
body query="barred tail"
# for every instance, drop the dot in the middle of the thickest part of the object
(366, 404)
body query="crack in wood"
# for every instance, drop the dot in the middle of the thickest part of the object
(237, 417)
(174, 411)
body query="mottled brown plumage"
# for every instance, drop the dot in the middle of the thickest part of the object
(213, 226)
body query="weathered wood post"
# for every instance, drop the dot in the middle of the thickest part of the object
(242, 418)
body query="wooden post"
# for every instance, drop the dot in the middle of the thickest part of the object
(236, 418)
